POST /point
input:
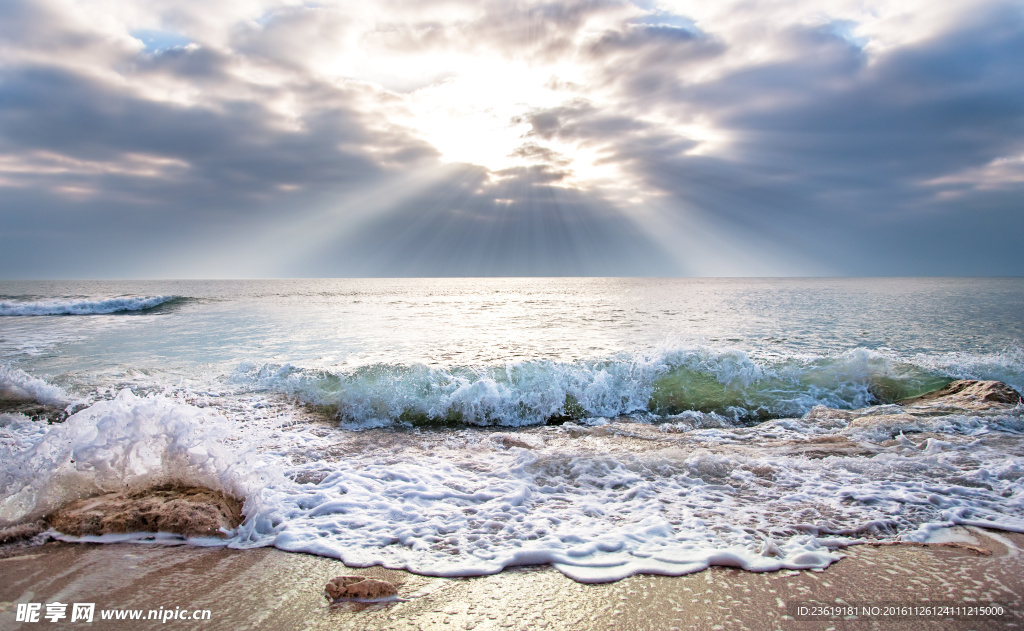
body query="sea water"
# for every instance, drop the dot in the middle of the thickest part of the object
(461, 426)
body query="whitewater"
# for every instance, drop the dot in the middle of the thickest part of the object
(456, 427)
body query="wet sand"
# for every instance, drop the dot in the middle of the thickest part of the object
(270, 589)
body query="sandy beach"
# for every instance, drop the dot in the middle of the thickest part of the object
(270, 589)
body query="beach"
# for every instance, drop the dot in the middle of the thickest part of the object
(270, 589)
(513, 448)
(568, 315)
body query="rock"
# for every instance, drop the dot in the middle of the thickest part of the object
(508, 441)
(20, 532)
(814, 447)
(354, 586)
(180, 510)
(33, 410)
(337, 585)
(968, 394)
(14, 540)
(967, 397)
(825, 446)
(896, 422)
(822, 413)
(17, 400)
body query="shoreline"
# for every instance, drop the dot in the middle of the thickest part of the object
(270, 589)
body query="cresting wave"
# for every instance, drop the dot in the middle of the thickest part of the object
(82, 306)
(728, 383)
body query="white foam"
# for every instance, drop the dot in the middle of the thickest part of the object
(16, 384)
(476, 506)
(124, 443)
(955, 534)
(1006, 366)
(595, 519)
(81, 306)
(468, 502)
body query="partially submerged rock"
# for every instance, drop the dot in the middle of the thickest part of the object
(15, 539)
(360, 587)
(180, 510)
(968, 394)
(32, 409)
(825, 446)
(897, 422)
(20, 532)
(967, 397)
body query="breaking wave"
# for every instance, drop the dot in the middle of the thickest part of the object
(128, 442)
(728, 382)
(17, 385)
(122, 304)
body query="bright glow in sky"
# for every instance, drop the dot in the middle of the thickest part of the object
(464, 137)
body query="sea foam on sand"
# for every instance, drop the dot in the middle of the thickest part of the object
(598, 503)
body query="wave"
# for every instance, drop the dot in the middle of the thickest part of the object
(17, 385)
(473, 502)
(128, 442)
(728, 382)
(122, 304)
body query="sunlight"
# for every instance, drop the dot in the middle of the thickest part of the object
(473, 117)
(480, 117)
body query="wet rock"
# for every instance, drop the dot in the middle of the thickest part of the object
(509, 441)
(15, 399)
(814, 447)
(337, 585)
(354, 586)
(822, 413)
(20, 532)
(15, 540)
(895, 422)
(32, 409)
(967, 394)
(825, 446)
(180, 510)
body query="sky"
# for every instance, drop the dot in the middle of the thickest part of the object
(261, 138)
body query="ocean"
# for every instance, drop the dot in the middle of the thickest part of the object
(455, 427)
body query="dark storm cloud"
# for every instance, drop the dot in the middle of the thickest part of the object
(215, 164)
(915, 114)
(201, 67)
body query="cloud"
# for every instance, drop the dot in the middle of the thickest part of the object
(447, 137)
